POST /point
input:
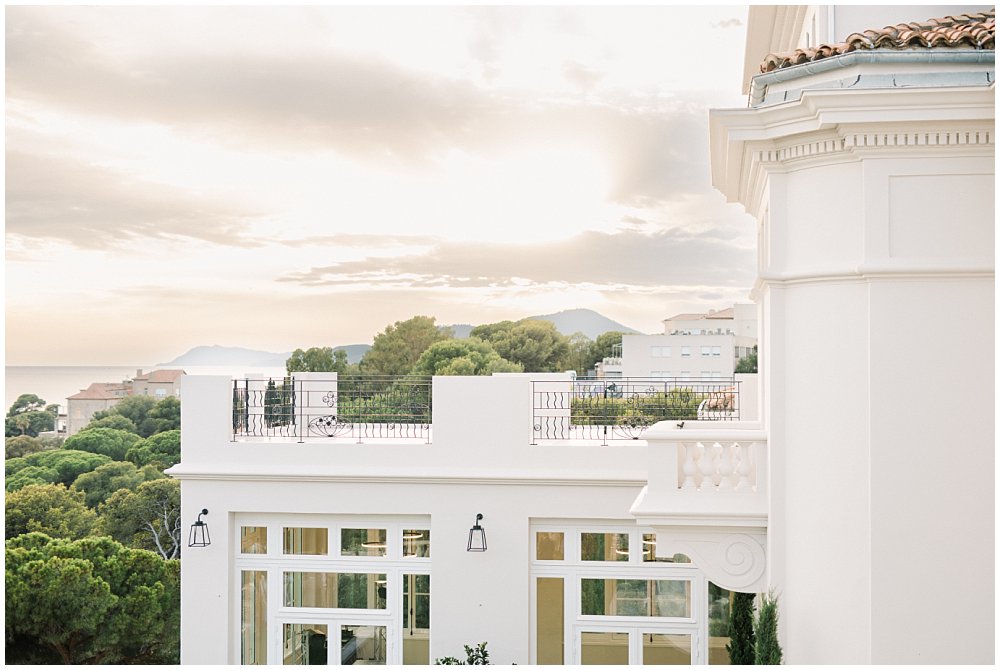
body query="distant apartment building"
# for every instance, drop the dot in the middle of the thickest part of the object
(692, 346)
(100, 396)
(157, 383)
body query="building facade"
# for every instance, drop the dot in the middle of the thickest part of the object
(867, 159)
(345, 521)
(99, 396)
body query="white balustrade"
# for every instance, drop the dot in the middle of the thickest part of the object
(713, 465)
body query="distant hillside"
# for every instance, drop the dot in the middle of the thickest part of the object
(217, 355)
(567, 322)
(585, 321)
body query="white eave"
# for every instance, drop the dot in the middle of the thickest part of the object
(736, 133)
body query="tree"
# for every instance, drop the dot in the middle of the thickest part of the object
(317, 359)
(741, 637)
(26, 402)
(134, 407)
(604, 346)
(108, 441)
(48, 508)
(536, 345)
(116, 421)
(747, 364)
(98, 485)
(29, 415)
(165, 416)
(397, 348)
(471, 356)
(147, 518)
(65, 465)
(89, 601)
(23, 445)
(578, 354)
(162, 450)
(767, 650)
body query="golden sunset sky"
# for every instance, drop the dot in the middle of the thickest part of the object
(276, 178)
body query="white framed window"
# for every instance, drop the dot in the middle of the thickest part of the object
(641, 610)
(706, 351)
(716, 351)
(685, 351)
(659, 352)
(322, 589)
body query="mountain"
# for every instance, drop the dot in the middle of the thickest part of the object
(219, 356)
(567, 322)
(585, 321)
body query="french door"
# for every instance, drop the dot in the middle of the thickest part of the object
(636, 645)
(336, 641)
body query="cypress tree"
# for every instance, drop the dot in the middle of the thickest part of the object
(768, 651)
(741, 636)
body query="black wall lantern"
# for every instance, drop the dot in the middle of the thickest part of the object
(199, 537)
(477, 536)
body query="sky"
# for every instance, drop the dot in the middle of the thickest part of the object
(275, 178)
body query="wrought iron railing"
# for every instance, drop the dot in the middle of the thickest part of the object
(351, 408)
(605, 410)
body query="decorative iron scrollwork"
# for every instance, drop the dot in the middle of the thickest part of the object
(329, 426)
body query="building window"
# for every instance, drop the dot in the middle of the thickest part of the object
(549, 546)
(685, 351)
(332, 594)
(706, 351)
(416, 543)
(253, 540)
(253, 617)
(362, 542)
(716, 351)
(603, 546)
(659, 352)
(589, 608)
(305, 541)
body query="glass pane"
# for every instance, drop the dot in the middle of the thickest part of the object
(549, 546)
(416, 619)
(253, 540)
(604, 649)
(304, 644)
(604, 546)
(364, 645)
(671, 598)
(635, 597)
(362, 542)
(417, 543)
(719, 612)
(649, 552)
(550, 620)
(331, 589)
(305, 541)
(659, 649)
(254, 617)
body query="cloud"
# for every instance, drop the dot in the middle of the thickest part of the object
(93, 207)
(360, 240)
(364, 107)
(627, 258)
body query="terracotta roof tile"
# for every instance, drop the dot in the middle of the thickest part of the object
(102, 391)
(162, 376)
(965, 31)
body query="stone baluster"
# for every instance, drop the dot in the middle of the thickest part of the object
(745, 467)
(726, 468)
(689, 467)
(707, 465)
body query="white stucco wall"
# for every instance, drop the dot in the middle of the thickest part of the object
(876, 284)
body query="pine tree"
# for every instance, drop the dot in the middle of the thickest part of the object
(768, 651)
(741, 635)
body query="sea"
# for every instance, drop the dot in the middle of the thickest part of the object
(54, 383)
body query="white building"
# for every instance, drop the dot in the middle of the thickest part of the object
(863, 496)
(693, 346)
